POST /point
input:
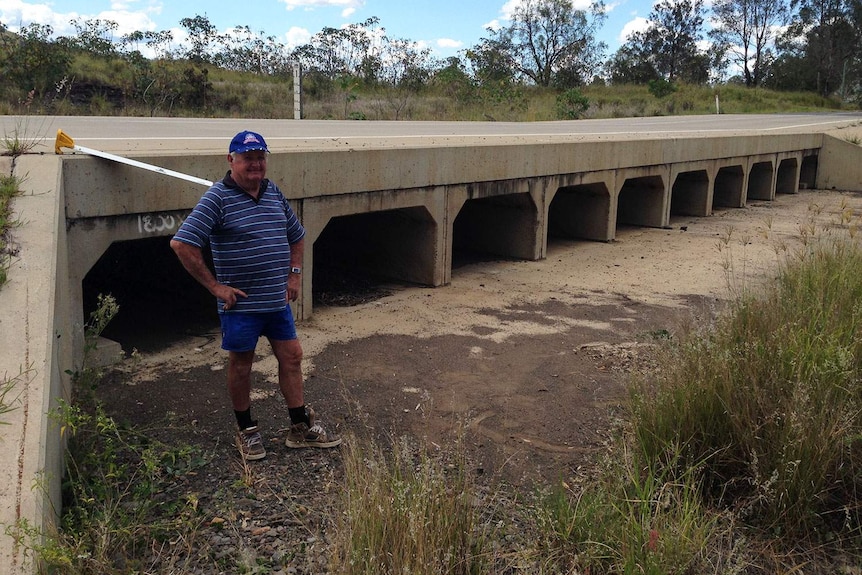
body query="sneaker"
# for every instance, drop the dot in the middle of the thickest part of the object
(310, 435)
(250, 444)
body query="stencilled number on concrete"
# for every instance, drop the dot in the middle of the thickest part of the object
(158, 223)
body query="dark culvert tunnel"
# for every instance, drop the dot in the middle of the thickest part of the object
(159, 302)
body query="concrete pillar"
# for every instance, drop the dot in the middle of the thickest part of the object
(35, 352)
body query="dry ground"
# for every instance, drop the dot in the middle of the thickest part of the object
(527, 361)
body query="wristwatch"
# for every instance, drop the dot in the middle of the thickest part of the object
(295, 270)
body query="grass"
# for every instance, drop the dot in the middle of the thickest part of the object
(7, 391)
(119, 513)
(639, 517)
(10, 187)
(767, 403)
(412, 513)
(22, 139)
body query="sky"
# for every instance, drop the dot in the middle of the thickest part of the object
(446, 27)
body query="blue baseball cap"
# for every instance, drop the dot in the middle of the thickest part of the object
(246, 142)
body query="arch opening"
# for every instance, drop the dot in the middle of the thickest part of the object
(356, 256)
(690, 194)
(787, 177)
(581, 211)
(159, 302)
(641, 202)
(808, 172)
(494, 227)
(727, 190)
(760, 181)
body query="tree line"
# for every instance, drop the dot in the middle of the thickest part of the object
(800, 45)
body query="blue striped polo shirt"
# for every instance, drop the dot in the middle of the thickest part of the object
(250, 241)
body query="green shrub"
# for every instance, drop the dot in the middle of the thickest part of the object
(571, 104)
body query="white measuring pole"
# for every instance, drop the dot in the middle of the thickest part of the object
(65, 141)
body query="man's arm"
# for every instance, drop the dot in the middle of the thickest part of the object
(294, 283)
(193, 260)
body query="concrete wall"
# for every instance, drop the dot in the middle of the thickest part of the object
(36, 337)
(838, 167)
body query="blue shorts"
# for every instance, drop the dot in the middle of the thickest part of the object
(241, 330)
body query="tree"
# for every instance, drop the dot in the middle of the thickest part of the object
(451, 76)
(31, 61)
(156, 82)
(632, 64)
(667, 49)
(245, 51)
(158, 42)
(349, 51)
(745, 29)
(676, 27)
(491, 61)
(548, 42)
(202, 35)
(820, 47)
(405, 69)
(95, 36)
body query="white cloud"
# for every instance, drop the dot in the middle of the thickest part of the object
(16, 14)
(449, 43)
(128, 21)
(509, 8)
(639, 24)
(493, 25)
(311, 4)
(297, 36)
(611, 6)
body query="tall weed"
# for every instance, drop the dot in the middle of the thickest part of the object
(10, 187)
(770, 397)
(413, 513)
(639, 517)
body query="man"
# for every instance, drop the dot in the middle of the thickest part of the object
(257, 245)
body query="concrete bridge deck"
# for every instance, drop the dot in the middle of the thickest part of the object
(395, 200)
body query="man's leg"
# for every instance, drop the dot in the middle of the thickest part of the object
(248, 439)
(289, 355)
(304, 432)
(239, 378)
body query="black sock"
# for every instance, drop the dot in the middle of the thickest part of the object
(243, 419)
(298, 415)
